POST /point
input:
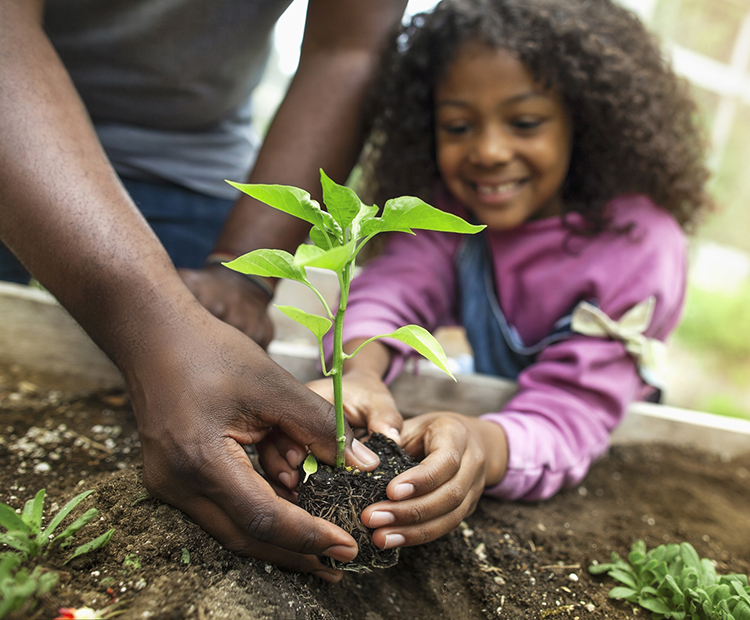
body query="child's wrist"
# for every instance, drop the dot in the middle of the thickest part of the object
(495, 444)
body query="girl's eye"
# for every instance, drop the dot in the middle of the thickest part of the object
(526, 124)
(455, 129)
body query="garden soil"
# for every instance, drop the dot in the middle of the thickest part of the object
(509, 560)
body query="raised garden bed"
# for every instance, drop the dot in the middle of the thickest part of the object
(74, 431)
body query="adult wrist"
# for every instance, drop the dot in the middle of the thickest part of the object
(263, 284)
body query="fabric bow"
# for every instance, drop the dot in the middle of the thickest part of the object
(649, 353)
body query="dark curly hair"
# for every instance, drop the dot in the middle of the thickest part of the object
(635, 126)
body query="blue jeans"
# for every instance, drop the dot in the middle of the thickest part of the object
(186, 222)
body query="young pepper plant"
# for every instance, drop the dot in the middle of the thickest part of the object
(338, 234)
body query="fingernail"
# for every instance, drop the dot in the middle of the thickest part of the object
(379, 518)
(364, 455)
(393, 540)
(294, 458)
(403, 491)
(286, 479)
(341, 553)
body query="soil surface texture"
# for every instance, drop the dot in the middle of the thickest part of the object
(508, 561)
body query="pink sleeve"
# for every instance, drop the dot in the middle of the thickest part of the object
(578, 390)
(412, 282)
(568, 403)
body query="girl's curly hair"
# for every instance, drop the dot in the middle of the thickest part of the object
(634, 123)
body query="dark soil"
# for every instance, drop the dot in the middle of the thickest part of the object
(340, 496)
(509, 560)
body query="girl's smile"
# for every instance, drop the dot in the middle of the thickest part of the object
(503, 141)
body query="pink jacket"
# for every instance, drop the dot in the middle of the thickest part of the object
(577, 391)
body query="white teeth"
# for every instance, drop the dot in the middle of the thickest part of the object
(496, 189)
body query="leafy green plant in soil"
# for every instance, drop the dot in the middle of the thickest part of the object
(338, 234)
(28, 539)
(674, 583)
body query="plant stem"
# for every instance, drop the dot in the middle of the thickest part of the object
(337, 366)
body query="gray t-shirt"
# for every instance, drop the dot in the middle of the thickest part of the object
(168, 82)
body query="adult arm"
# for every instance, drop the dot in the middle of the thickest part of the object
(200, 389)
(318, 125)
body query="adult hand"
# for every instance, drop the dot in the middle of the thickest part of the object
(369, 407)
(230, 297)
(200, 393)
(462, 455)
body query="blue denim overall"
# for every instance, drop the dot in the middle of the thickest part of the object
(498, 348)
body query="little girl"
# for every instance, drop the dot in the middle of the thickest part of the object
(559, 125)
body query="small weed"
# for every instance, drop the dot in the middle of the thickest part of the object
(674, 583)
(132, 562)
(27, 537)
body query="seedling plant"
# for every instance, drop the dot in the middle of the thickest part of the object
(25, 534)
(674, 583)
(338, 234)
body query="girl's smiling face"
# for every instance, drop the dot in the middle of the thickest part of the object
(503, 140)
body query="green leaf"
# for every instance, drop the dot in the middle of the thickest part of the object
(294, 201)
(32, 512)
(46, 580)
(424, 343)
(342, 202)
(654, 605)
(270, 264)
(318, 325)
(690, 556)
(334, 259)
(366, 214)
(408, 212)
(76, 526)
(599, 569)
(622, 592)
(9, 562)
(624, 576)
(310, 466)
(44, 536)
(323, 239)
(11, 521)
(21, 541)
(92, 545)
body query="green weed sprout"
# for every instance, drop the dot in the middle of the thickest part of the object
(674, 583)
(17, 585)
(338, 235)
(25, 534)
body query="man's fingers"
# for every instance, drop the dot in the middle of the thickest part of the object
(253, 513)
(215, 521)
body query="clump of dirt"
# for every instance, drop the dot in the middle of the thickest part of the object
(340, 496)
(508, 561)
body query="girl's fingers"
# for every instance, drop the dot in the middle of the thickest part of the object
(444, 441)
(383, 417)
(280, 456)
(425, 529)
(432, 498)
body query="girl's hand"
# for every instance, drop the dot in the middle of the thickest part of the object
(368, 403)
(463, 455)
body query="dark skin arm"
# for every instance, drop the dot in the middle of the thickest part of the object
(318, 125)
(200, 389)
